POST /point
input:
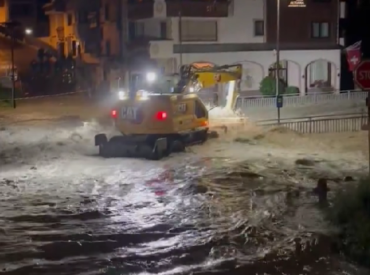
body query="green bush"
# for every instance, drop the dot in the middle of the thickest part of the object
(350, 212)
(268, 86)
(292, 90)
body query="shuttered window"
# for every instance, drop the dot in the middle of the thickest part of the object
(196, 30)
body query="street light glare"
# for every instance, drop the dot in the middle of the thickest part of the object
(151, 76)
(28, 31)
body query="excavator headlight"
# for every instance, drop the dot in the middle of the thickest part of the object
(122, 95)
(151, 77)
(144, 95)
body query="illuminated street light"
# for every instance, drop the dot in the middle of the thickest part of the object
(277, 64)
(28, 31)
(151, 77)
(11, 26)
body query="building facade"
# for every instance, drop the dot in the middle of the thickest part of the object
(244, 31)
(92, 32)
(25, 12)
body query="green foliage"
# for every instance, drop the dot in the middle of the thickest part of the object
(5, 96)
(268, 86)
(351, 214)
(292, 90)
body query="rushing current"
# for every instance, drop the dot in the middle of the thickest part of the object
(221, 208)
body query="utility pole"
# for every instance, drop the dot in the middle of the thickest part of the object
(180, 31)
(11, 27)
(13, 69)
(277, 65)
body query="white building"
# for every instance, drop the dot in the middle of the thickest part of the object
(309, 40)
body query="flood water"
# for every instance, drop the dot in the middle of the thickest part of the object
(64, 211)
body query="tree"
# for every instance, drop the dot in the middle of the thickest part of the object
(268, 86)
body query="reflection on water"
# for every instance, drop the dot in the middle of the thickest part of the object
(209, 214)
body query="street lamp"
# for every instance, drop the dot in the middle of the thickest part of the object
(277, 64)
(292, 4)
(11, 27)
(151, 77)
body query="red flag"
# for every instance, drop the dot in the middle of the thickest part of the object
(353, 55)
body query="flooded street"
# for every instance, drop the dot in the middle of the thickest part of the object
(227, 207)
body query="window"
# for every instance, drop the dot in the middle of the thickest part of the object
(83, 17)
(210, 8)
(196, 30)
(69, 19)
(163, 30)
(320, 29)
(139, 29)
(199, 110)
(135, 30)
(106, 12)
(259, 28)
(101, 33)
(61, 47)
(107, 47)
(74, 48)
(131, 30)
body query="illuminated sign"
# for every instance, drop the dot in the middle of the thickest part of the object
(297, 4)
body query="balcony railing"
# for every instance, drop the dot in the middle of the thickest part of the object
(198, 9)
(55, 6)
(140, 11)
(188, 9)
(140, 43)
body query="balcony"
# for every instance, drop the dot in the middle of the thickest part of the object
(198, 9)
(138, 11)
(56, 6)
(161, 49)
(190, 8)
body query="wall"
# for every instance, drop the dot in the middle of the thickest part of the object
(4, 11)
(55, 20)
(110, 31)
(296, 22)
(61, 20)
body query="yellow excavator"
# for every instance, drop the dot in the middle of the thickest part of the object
(154, 125)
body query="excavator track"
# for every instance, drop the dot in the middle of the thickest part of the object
(148, 147)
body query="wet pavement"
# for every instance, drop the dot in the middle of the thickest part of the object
(66, 211)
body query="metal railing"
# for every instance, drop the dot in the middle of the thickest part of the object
(321, 124)
(246, 102)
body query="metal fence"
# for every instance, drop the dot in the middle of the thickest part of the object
(321, 124)
(245, 103)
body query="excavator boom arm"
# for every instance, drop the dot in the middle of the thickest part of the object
(193, 79)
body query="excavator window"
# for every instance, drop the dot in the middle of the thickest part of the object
(199, 110)
(180, 86)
